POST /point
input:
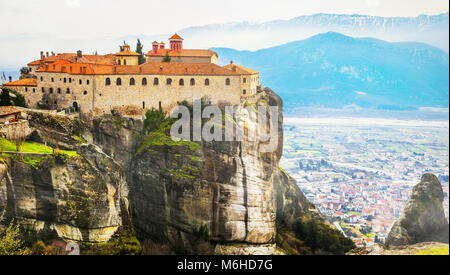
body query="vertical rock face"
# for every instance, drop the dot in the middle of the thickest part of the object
(423, 219)
(226, 188)
(79, 196)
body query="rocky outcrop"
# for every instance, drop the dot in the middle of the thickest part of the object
(79, 197)
(225, 189)
(180, 193)
(423, 219)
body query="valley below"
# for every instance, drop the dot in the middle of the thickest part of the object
(360, 171)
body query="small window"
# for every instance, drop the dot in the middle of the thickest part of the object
(42, 79)
(132, 82)
(51, 90)
(118, 62)
(227, 82)
(53, 80)
(244, 92)
(43, 89)
(155, 81)
(87, 81)
(67, 91)
(26, 89)
(107, 81)
(65, 80)
(70, 80)
(34, 90)
(181, 82)
(244, 80)
(80, 81)
(169, 81)
(118, 81)
(124, 62)
(59, 90)
(85, 93)
(144, 81)
(207, 82)
(192, 82)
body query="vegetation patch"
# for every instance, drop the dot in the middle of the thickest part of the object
(434, 251)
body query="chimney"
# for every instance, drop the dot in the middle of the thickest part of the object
(42, 55)
(162, 46)
(231, 61)
(79, 54)
(126, 48)
(46, 54)
(155, 47)
(53, 54)
(10, 78)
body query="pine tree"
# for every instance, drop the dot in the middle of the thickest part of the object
(166, 58)
(139, 47)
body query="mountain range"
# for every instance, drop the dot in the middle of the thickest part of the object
(430, 29)
(333, 70)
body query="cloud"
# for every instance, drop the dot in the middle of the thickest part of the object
(73, 3)
(373, 3)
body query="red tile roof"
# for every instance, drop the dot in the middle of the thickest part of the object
(22, 82)
(176, 36)
(240, 69)
(183, 53)
(155, 68)
(8, 110)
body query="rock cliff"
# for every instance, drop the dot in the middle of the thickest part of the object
(423, 219)
(228, 194)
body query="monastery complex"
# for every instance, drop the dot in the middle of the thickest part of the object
(96, 84)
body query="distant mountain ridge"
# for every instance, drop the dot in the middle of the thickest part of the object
(430, 29)
(333, 70)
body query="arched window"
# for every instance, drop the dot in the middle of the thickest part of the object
(67, 91)
(132, 82)
(119, 62)
(118, 81)
(59, 90)
(80, 81)
(192, 82)
(26, 89)
(42, 79)
(169, 81)
(51, 90)
(144, 81)
(85, 93)
(227, 82)
(65, 80)
(43, 89)
(181, 82)
(155, 81)
(34, 90)
(207, 82)
(53, 80)
(107, 81)
(70, 80)
(124, 62)
(244, 92)
(244, 80)
(87, 82)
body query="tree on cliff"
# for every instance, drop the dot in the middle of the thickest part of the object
(7, 100)
(139, 47)
(166, 58)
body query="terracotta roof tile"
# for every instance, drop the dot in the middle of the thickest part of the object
(22, 82)
(240, 69)
(8, 110)
(183, 53)
(175, 36)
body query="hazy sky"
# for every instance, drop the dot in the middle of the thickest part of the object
(95, 18)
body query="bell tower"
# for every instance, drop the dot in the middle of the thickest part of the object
(176, 43)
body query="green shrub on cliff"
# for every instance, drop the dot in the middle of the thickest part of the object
(321, 238)
(10, 242)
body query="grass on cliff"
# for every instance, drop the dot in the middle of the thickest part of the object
(31, 147)
(157, 132)
(434, 251)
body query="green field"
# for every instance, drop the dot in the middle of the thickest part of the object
(30, 147)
